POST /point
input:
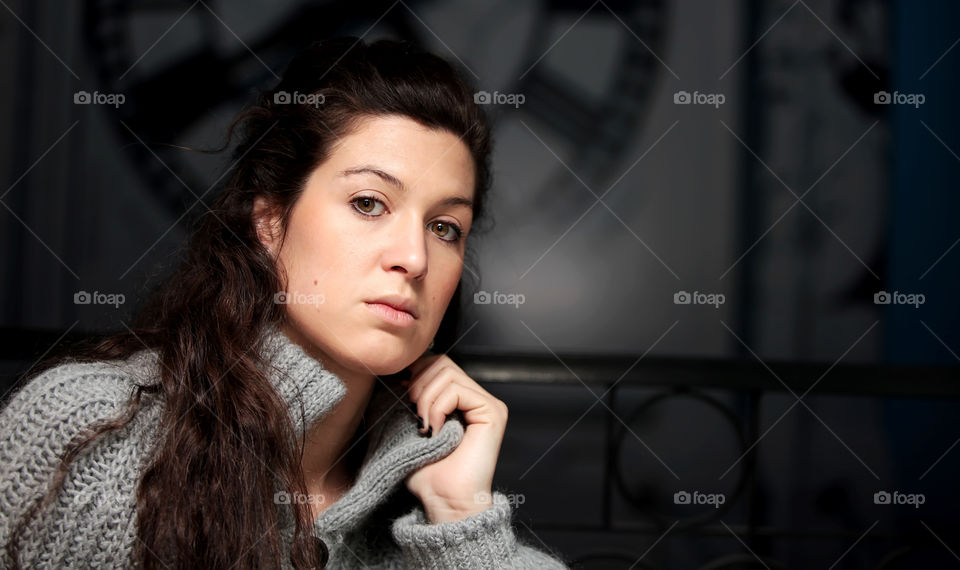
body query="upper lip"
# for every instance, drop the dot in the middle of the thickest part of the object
(399, 303)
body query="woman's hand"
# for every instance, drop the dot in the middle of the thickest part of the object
(459, 485)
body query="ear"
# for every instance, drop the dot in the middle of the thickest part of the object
(267, 222)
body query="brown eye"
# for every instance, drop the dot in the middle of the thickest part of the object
(446, 231)
(368, 206)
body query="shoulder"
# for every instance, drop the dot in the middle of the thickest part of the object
(61, 403)
(74, 392)
(59, 406)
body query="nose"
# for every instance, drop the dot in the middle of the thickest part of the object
(406, 250)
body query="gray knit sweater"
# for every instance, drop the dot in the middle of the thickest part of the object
(92, 523)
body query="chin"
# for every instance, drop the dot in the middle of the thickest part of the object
(384, 358)
(386, 366)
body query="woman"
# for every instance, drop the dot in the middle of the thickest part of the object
(245, 421)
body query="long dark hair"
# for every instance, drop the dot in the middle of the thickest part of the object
(206, 321)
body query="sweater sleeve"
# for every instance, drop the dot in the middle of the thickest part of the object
(484, 540)
(88, 523)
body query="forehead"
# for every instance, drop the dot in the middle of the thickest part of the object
(420, 156)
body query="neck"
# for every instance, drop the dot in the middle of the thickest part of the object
(328, 440)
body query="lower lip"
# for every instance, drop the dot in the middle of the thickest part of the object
(390, 314)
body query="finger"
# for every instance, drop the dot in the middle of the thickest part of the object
(422, 383)
(477, 407)
(438, 369)
(425, 391)
(435, 381)
(413, 384)
(424, 362)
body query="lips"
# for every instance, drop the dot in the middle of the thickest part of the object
(398, 303)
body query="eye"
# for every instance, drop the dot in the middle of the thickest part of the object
(446, 231)
(368, 206)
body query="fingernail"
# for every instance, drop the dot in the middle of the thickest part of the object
(421, 423)
(430, 431)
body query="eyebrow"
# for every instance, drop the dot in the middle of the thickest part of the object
(398, 184)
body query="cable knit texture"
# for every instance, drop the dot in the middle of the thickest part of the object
(92, 522)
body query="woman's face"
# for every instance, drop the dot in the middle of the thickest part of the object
(384, 218)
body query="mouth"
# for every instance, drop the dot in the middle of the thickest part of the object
(396, 309)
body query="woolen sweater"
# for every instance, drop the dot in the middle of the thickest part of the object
(92, 522)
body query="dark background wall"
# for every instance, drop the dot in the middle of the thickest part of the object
(797, 195)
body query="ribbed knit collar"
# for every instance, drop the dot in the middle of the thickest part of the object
(309, 390)
(395, 446)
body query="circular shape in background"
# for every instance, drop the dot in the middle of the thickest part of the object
(647, 498)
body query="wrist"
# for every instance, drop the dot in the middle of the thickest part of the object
(440, 510)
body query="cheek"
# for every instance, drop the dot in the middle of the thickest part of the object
(318, 247)
(448, 277)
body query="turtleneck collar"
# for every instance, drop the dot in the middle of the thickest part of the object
(395, 446)
(309, 390)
